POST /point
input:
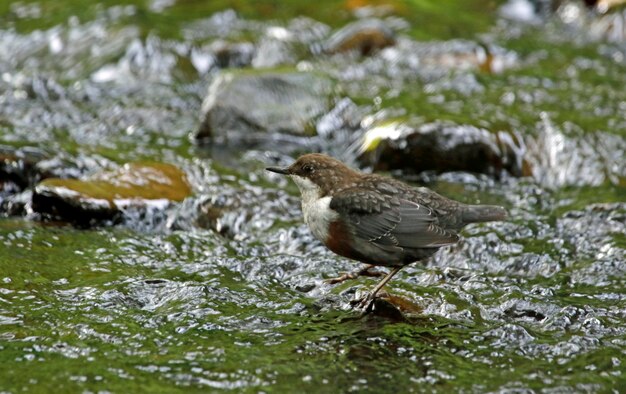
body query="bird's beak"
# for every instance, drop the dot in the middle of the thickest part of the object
(278, 170)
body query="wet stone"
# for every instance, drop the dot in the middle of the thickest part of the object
(441, 147)
(230, 55)
(304, 287)
(104, 196)
(364, 37)
(526, 311)
(388, 309)
(240, 213)
(14, 203)
(532, 12)
(18, 169)
(533, 303)
(403, 304)
(274, 52)
(248, 106)
(227, 214)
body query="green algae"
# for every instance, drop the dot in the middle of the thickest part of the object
(457, 19)
(132, 181)
(126, 311)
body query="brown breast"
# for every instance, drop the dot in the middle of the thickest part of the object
(339, 240)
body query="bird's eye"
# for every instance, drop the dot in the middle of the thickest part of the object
(307, 168)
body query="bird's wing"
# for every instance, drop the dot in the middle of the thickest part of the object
(390, 222)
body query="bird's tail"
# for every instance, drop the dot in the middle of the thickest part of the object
(483, 213)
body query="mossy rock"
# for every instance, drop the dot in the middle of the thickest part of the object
(364, 37)
(413, 147)
(104, 195)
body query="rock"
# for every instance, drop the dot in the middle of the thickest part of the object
(244, 106)
(239, 213)
(23, 168)
(524, 11)
(221, 54)
(384, 307)
(223, 214)
(19, 171)
(405, 305)
(273, 52)
(18, 167)
(364, 36)
(105, 195)
(441, 147)
(227, 55)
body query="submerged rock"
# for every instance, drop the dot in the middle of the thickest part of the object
(365, 37)
(441, 147)
(13, 202)
(239, 213)
(273, 52)
(105, 195)
(221, 54)
(244, 106)
(19, 171)
(223, 214)
(526, 11)
(18, 167)
(228, 55)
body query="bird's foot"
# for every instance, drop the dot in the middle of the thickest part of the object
(365, 271)
(364, 303)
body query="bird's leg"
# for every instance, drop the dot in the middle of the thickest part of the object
(367, 303)
(365, 271)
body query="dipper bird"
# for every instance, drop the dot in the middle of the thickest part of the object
(375, 219)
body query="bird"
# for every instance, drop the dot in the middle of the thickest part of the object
(375, 219)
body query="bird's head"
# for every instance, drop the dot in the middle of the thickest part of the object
(315, 172)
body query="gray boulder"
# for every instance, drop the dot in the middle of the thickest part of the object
(247, 106)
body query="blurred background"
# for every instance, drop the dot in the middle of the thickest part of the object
(144, 248)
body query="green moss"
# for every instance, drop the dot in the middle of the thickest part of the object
(458, 18)
(577, 198)
(70, 318)
(620, 240)
(132, 181)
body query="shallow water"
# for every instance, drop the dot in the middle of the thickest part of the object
(234, 299)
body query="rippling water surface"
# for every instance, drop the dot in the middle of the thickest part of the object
(225, 290)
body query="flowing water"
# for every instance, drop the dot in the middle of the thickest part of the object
(225, 290)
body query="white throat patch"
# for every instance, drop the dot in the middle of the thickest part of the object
(316, 210)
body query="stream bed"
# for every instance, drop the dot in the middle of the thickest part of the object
(144, 248)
